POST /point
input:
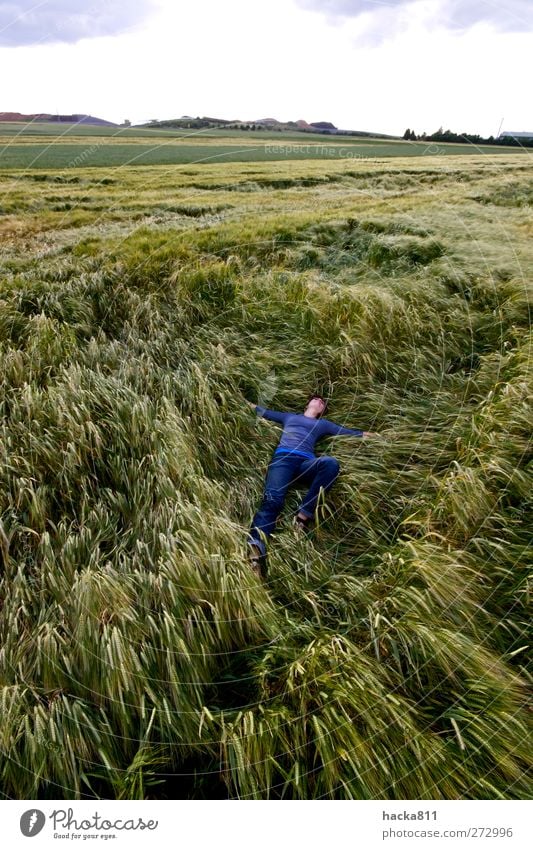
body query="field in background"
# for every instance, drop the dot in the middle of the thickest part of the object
(385, 657)
(72, 146)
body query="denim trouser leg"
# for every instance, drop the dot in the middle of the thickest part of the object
(282, 470)
(322, 472)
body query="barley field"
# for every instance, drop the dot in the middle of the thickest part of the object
(71, 146)
(385, 657)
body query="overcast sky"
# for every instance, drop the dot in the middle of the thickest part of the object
(380, 65)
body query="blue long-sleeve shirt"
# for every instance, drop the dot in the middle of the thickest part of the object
(300, 433)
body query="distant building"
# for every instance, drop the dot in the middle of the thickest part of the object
(520, 135)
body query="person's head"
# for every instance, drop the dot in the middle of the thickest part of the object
(316, 406)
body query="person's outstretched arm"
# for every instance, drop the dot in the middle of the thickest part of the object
(271, 415)
(332, 429)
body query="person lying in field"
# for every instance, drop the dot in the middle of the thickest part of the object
(294, 462)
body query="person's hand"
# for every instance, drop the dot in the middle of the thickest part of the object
(367, 433)
(251, 404)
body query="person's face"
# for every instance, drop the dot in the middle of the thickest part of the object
(315, 407)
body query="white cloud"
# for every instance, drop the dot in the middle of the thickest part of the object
(508, 16)
(29, 22)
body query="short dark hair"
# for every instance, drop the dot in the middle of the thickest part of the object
(317, 395)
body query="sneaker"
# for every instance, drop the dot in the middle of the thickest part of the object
(257, 561)
(301, 526)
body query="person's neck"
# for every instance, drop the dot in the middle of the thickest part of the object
(309, 417)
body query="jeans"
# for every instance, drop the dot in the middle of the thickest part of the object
(285, 470)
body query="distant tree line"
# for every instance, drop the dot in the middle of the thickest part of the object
(203, 123)
(447, 136)
(198, 123)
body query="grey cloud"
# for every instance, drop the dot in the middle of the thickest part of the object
(509, 15)
(43, 21)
